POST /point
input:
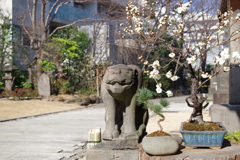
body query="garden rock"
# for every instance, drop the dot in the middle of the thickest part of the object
(177, 138)
(93, 98)
(162, 145)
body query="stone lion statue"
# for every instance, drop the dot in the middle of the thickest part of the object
(124, 118)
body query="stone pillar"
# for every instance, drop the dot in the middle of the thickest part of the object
(234, 87)
(9, 77)
(221, 93)
(226, 107)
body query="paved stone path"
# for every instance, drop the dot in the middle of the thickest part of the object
(50, 137)
(58, 136)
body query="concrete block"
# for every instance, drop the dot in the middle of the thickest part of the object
(112, 154)
(111, 150)
(100, 152)
(229, 115)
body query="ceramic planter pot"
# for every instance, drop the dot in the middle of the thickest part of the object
(162, 145)
(212, 139)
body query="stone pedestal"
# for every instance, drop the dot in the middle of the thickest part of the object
(229, 115)
(107, 150)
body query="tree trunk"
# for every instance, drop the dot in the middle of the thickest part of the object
(197, 103)
(30, 76)
(196, 116)
(38, 66)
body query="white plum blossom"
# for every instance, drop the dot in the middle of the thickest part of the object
(221, 61)
(236, 55)
(155, 74)
(154, 71)
(205, 75)
(183, 8)
(225, 54)
(180, 10)
(187, 4)
(145, 62)
(159, 85)
(162, 20)
(174, 78)
(191, 59)
(155, 64)
(226, 22)
(157, 77)
(238, 16)
(171, 55)
(158, 88)
(221, 32)
(169, 74)
(226, 69)
(169, 93)
(138, 20)
(138, 29)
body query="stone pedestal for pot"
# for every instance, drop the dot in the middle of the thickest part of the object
(211, 139)
(162, 145)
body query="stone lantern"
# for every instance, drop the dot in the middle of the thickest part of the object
(9, 77)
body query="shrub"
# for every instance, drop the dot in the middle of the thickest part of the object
(20, 93)
(1, 85)
(62, 87)
(235, 136)
(66, 88)
(27, 85)
(19, 79)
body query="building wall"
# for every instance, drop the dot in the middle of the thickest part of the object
(66, 15)
(102, 41)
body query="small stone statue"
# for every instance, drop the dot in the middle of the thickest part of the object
(197, 105)
(124, 119)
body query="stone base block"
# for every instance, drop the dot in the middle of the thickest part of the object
(228, 152)
(229, 115)
(105, 152)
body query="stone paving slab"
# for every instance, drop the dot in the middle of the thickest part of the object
(61, 135)
(45, 137)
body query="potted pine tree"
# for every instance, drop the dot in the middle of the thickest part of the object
(158, 142)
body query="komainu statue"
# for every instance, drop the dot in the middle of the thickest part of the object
(124, 118)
